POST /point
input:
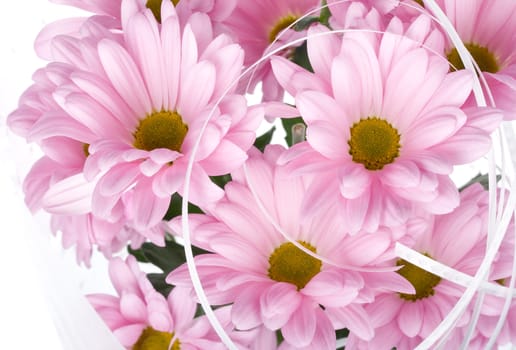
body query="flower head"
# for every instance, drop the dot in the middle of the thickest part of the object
(458, 240)
(385, 125)
(279, 270)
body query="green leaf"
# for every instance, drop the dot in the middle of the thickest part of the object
(167, 258)
(158, 282)
(300, 57)
(482, 179)
(174, 208)
(305, 23)
(221, 180)
(138, 254)
(264, 139)
(288, 123)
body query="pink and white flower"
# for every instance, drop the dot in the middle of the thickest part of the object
(268, 279)
(486, 28)
(458, 240)
(262, 26)
(385, 126)
(142, 318)
(148, 101)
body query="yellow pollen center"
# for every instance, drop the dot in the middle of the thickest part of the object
(290, 264)
(155, 7)
(151, 339)
(422, 280)
(282, 24)
(485, 59)
(420, 2)
(161, 130)
(374, 143)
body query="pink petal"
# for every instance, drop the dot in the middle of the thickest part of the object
(245, 312)
(171, 44)
(410, 318)
(300, 329)
(123, 73)
(194, 97)
(182, 306)
(354, 180)
(128, 335)
(401, 173)
(142, 37)
(133, 308)
(355, 319)
(278, 303)
(71, 196)
(146, 208)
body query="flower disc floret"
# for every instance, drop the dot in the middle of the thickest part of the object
(374, 142)
(151, 339)
(161, 130)
(282, 24)
(485, 59)
(422, 280)
(292, 265)
(155, 7)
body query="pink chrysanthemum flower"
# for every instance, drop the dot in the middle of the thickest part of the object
(218, 10)
(109, 14)
(144, 97)
(257, 25)
(268, 279)
(457, 239)
(143, 319)
(486, 28)
(384, 126)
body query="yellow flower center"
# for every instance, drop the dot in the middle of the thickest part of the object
(420, 2)
(155, 7)
(280, 25)
(161, 130)
(486, 60)
(290, 264)
(374, 143)
(86, 149)
(151, 339)
(422, 280)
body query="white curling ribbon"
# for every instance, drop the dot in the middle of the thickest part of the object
(445, 272)
(438, 334)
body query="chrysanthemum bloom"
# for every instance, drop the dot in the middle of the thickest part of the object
(109, 14)
(353, 14)
(384, 126)
(268, 279)
(143, 319)
(56, 182)
(218, 10)
(486, 28)
(144, 93)
(257, 25)
(458, 240)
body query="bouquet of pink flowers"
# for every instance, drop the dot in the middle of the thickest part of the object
(351, 231)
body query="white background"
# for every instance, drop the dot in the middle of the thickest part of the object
(39, 280)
